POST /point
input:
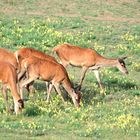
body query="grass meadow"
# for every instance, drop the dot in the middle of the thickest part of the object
(110, 27)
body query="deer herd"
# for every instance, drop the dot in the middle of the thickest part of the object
(26, 65)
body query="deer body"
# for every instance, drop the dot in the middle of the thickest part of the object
(87, 59)
(7, 56)
(8, 76)
(50, 72)
(27, 52)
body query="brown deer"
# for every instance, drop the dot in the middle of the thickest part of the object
(8, 76)
(51, 72)
(7, 56)
(27, 52)
(87, 59)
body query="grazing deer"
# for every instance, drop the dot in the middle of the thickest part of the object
(8, 76)
(51, 72)
(27, 52)
(7, 56)
(87, 59)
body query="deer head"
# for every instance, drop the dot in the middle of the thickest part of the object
(18, 106)
(121, 65)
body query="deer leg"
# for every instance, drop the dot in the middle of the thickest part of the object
(5, 97)
(50, 86)
(24, 76)
(20, 75)
(96, 72)
(84, 70)
(75, 101)
(58, 91)
(30, 88)
(47, 87)
(64, 63)
(24, 83)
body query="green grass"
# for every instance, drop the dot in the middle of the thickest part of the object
(110, 27)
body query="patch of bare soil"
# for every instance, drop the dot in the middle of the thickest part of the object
(8, 10)
(21, 10)
(132, 20)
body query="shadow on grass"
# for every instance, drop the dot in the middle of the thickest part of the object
(120, 84)
(90, 93)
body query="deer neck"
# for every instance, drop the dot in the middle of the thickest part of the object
(106, 62)
(68, 84)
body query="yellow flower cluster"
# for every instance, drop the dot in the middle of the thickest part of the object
(126, 121)
(129, 37)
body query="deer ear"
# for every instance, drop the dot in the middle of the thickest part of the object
(123, 57)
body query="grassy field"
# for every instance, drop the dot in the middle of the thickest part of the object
(110, 27)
